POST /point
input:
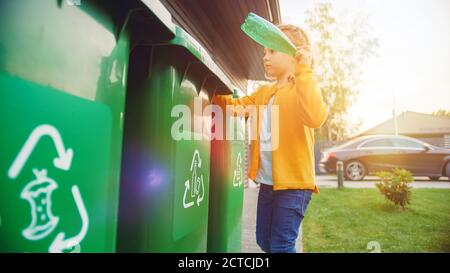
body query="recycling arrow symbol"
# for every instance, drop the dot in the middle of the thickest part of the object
(63, 161)
(196, 184)
(60, 243)
(238, 173)
(38, 192)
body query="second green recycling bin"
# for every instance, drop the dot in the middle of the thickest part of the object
(165, 176)
(227, 187)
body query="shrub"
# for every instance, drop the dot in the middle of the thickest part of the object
(395, 186)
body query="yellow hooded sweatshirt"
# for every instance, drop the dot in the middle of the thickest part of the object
(301, 109)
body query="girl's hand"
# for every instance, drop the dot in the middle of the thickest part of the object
(303, 55)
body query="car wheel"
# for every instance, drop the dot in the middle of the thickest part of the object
(355, 170)
(434, 178)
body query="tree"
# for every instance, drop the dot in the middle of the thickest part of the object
(340, 52)
(442, 113)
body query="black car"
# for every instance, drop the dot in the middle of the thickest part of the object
(369, 154)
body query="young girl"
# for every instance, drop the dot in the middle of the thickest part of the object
(286, 172)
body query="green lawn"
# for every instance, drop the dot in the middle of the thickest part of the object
(346, 220)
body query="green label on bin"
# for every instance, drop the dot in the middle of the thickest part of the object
(191, 186)
(54, 168)
(237, 168)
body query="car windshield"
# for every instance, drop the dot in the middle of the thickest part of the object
(349, 143)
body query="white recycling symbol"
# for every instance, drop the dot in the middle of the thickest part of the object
(38, 192)
(238, 173)
(194, 186)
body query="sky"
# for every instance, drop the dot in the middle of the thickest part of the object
(413, 62)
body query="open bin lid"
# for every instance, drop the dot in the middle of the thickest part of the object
(182, 38)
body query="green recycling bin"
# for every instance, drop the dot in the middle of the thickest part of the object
(227, 187)
(63, 67)
(165, 175)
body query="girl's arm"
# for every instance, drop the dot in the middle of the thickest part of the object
(311, 108)
(239, 105)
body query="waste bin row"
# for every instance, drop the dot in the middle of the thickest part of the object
(92, 159)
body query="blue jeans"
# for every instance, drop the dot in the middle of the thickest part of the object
(278, 218)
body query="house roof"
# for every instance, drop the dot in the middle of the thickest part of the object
(216, 25)
(413, 123)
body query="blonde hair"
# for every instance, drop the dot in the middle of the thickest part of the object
(299, 38)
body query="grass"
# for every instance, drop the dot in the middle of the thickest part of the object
(347, 220)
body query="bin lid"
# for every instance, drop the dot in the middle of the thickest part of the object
(267, 34)
(182, 38)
